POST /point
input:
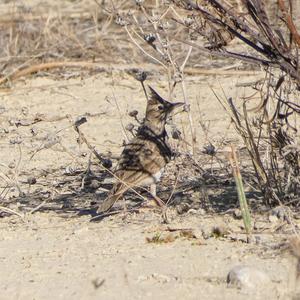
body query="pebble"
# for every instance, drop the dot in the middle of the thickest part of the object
(220, 231)
(237, 214)
(183, 208)
(248, 277)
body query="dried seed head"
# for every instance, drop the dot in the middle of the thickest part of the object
(129, 127)
(178, 77)
(150, 38)
(107, 163)
(141, 76)
(120, 20)
(209, 149)
(25, 110)
(80, 120)
(166, 58)
(133, 113)
(139, 2)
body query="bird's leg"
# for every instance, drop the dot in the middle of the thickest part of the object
(157, 200)
(124, 208)
(153, 189)
(124, 205)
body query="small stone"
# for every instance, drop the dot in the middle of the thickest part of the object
(12, 165)
(206, 233)
(183, 208)
(176, 134)
(192, 211)
(186, 108)
(80, 120)
(139, 2)
(237, 214)
(258, 240)
(248, 277)
(220, 231)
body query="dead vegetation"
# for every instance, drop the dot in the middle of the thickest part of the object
(171, 38)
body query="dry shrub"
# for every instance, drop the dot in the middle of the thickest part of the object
(269, 130)
(240, 30)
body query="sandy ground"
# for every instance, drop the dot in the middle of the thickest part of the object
(56, 253)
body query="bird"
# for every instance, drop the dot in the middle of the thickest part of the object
(144, 158)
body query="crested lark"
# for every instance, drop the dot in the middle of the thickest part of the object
(145, 156)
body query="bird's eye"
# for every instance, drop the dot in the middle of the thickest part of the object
(160, 107)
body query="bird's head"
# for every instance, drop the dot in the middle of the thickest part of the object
(158, 110)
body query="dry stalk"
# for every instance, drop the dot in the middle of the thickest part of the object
(12, 212)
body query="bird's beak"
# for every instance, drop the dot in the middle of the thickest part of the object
(172, 108)
(176, 105)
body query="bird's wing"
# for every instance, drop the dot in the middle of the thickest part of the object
(139, 161)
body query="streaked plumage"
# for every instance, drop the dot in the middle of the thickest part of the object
(145, 156)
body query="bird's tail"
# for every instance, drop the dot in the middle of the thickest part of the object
(115, 194)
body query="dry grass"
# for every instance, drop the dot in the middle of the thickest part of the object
(91, 36)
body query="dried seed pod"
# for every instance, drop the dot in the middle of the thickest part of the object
(129, 127)
(80, 120)
(107, 163)
(150, 38)
(133, 113)
(141, 76)
(209, 149)
(178, 77)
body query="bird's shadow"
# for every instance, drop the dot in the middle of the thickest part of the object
(84, 195)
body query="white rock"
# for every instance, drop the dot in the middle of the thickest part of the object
(248, 277)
